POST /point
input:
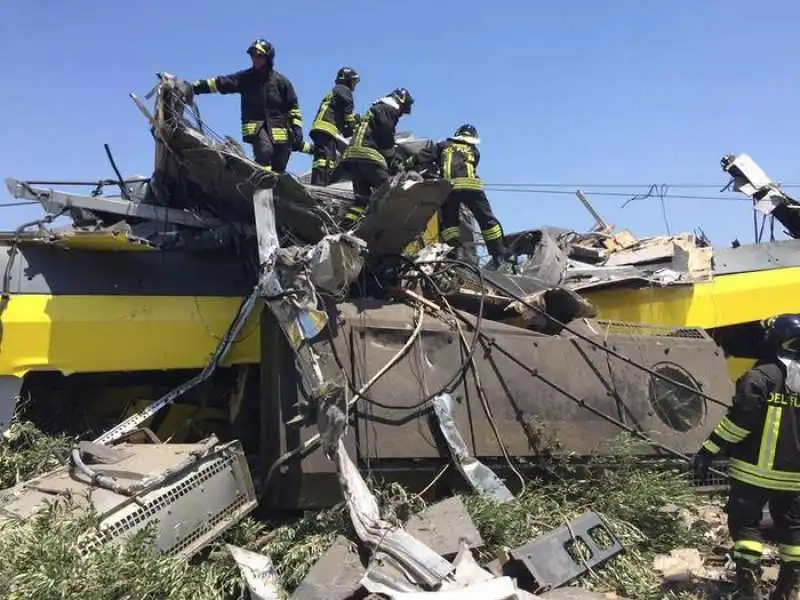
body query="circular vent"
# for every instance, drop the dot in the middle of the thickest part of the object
(678, 407)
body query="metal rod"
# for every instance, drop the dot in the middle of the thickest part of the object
(120, 182)
(601, 224)
(95, 182)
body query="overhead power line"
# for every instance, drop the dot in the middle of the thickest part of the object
(10, 204)
(501, 189)
(622, 185)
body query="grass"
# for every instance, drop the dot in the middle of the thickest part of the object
(37, 558)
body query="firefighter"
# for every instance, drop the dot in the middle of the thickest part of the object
(457, 158)
(271, 119)
(369, 159)
(335, 120)
(761, 436)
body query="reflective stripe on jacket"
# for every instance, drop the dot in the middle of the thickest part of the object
(335, 115)
(266, 97)
(761, 430)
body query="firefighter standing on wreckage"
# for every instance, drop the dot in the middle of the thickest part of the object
(270, 113)
(761, 435)
(457, 159)
(369, 159)
(335, 120)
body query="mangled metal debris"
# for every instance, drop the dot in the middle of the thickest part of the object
(445, 527)
(258, 573)
(366, 370)
(191, 493)
(560, 556)
(481, 478)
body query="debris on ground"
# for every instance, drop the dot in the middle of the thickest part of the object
(319, 556)
(462, 358)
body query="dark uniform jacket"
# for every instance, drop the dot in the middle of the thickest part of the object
(335, 115)
(761, 430)
(373, 139)
(457, 161)
(267, 97)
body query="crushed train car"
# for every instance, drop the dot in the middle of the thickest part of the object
(682, 280)
(214, 297)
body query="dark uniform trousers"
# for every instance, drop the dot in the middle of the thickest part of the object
(367, 176)
(478, 204)
(273, 157)
(745, 510)
(324, 157)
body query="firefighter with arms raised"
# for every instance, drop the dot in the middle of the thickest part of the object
(270, 113)
(761, 436)
(335, 121)
(370, 157)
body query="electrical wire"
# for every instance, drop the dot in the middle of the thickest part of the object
(314, 440)
(487, 409)
(582, 403)
(23, 203)
(499, 189)
(619, 185)
(456, 377)
(487, 343)
(587, 339)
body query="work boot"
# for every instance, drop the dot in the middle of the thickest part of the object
(748, 582)
(788, 585)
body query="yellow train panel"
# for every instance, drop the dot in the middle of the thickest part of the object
(86, 334)
(727, 300)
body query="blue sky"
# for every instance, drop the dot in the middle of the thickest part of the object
(581, 91)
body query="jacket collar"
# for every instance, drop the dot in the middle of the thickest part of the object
(390, 101)
(472, 141)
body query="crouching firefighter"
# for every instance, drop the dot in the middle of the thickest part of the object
(761, 436)
(369, 158)
(457, 159)
(335, 121)
(270, 113)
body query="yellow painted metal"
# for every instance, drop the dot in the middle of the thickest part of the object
(88, 334)
(107, 240)
(427, 238)
(104, 241)
(726, 300)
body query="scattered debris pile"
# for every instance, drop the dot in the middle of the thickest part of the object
(651, 515)
(462, 360)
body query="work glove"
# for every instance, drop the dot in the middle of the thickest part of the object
(297, 138)
(701, 462)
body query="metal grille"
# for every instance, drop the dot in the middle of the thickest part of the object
(643, 329)
(155, 507)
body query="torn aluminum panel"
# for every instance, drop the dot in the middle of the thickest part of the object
(480, 477)
(191, 492)
(258, 573)
(290, 296)
(336, 261)
(427, 567)
(768, 198)
(53, 201)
